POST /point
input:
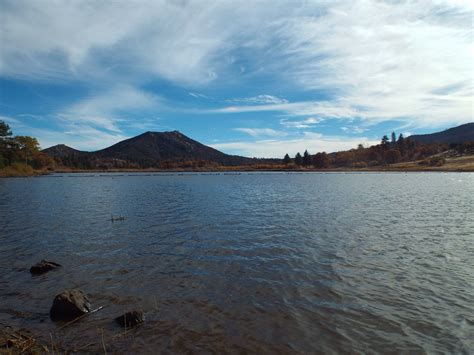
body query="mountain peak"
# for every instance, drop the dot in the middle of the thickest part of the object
(61, 150)
(155, 133)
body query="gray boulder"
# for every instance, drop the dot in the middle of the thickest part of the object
(69, 304)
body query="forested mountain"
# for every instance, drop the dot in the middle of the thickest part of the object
(150, 149)
(459, 134)
(61, 151)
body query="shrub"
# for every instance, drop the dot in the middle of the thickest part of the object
(437, 161)
(17, 169)
(359, 165)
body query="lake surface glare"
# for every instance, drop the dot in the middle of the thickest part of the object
(257, 262)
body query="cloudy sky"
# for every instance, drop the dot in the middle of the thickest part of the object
(257, 78)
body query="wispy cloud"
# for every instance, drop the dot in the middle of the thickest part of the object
(260, 99)
(106, 110)
(313, 142)
(198, 95)
(10, 120)
(354, 129)
(180, 41)
(78, 136)
(388, 58)
(374, 61)
(301, 124)
(324, 109)
(261, 132)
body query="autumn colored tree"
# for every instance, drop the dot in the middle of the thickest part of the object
(344, 158)
(41, 160)
(321, 160)
(27, 147)
(21, 149)
(392, 156)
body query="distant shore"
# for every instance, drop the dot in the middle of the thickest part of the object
(458, 164)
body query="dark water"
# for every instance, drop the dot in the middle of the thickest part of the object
(264, 263)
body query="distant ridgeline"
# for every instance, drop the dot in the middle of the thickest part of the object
(452, 142)
(169, 150)
(19, 155)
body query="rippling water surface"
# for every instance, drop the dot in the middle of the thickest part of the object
(289, 263)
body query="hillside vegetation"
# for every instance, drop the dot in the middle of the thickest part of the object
(391, 153)
(21, 155)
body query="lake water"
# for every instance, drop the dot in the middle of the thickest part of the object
(256, 262)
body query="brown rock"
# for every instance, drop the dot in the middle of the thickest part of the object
(130, 319)
(69, 304)
(43, 266)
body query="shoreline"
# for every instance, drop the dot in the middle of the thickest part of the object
(238, 171)
(463, 164)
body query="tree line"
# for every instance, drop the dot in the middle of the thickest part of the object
(21, 152)
(390, 151)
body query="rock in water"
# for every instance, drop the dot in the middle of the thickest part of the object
(43, 266)
(69, 304)
(130, 319)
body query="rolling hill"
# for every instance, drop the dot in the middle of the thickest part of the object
(462, 133)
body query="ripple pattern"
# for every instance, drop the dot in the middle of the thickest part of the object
(258, 263)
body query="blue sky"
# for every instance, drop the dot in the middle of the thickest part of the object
(256, 78)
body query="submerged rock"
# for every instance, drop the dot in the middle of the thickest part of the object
(43, 266)
(69, 304)
(130, 319)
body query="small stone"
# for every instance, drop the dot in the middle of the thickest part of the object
(130, 319)
(43, 266)
(69, 304)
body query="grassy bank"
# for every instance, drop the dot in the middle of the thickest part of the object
(461, 164)
(20, 170)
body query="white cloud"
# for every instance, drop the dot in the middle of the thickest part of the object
(381, 60)
(77, 136)
(181, 41)
(259, 132)
(386, 59)
(10, 120)
(261, 99)
(323, 109)
(301, 124)
(106, 109)
(198, 95)
(313, 142)
(354, 129)
(99, 120)
(375, 60)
